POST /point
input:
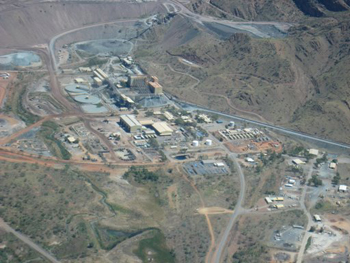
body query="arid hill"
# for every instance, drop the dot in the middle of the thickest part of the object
(37, 23)
(299, 81)
(280, 9)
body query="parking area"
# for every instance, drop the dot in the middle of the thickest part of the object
(288, 237)
(125, 154)
(244, 134)
(200, 168)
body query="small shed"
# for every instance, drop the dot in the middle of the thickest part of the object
(317, 218)
(249, 160)
(333, 165)
(279, 206)
(342, 188)
(268, 200)
(313, 152)
(298, 161)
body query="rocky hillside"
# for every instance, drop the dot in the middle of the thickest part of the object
(285, 10)
(300, 81)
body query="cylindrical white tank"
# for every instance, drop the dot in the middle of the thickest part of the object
(195, 143)
(209, 142)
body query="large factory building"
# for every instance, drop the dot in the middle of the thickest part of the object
(130, 123)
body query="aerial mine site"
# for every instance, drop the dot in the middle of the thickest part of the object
(174, 131)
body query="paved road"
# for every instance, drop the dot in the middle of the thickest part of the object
(28, 241)
(193, 107)
(238, 211)
(307, 213)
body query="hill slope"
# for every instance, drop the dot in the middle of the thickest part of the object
(37, 23)
(300, 81)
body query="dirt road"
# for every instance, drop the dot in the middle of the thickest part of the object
(214, 211)
(210, 227)
(12, 156)
(219, 251)
(23, 131)
(248, 26)
(307, 213)
(28, 241)
(242, 112)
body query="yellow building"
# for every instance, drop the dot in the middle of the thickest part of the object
(130, 123)
(155, 87)
(79, 80)
(98, 81)
(279, 206)
(162, 128)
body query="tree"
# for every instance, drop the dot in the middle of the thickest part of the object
(179, 122)
(163, 157)
(321, 160)
(336, 179)
(154, 143)
(315, 181)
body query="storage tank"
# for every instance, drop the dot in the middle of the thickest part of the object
(195, 143)
(209, 142)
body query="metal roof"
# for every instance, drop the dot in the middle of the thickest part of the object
(162, 127)
(130, 120)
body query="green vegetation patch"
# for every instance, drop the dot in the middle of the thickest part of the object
(141, 175)
(255, 253)
(253, 231)
(324, 206)
(47, 133)
(49, 206)
(95, 62)
(155, 248)
(14, 102)
(265, 178)
(315, 181)
(15, 251)
(109, 238)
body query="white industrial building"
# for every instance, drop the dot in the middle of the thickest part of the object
(195, 143)
(342, 188)
(209, 142)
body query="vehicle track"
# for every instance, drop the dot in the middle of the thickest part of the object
(217, 255)
(28, 241)
(307, 213)
(210, 227)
